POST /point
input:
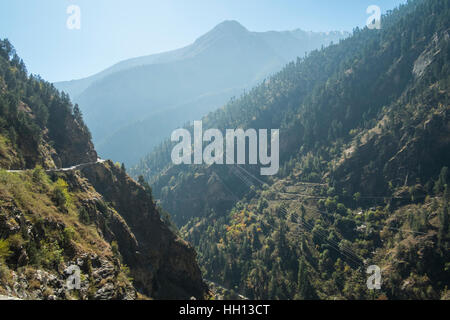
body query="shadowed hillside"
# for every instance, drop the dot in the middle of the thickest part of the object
(364, 150)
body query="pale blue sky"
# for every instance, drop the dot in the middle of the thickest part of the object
(114, 30)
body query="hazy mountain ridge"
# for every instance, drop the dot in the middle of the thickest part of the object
(187, 82)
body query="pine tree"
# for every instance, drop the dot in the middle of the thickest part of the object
(303, 285)
(77, 113)
(444, 223)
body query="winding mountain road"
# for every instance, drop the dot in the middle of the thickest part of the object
(76, 167)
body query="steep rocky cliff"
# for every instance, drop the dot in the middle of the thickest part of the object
(161, 263)
(42, 236)
(106, 223)
(61, 208)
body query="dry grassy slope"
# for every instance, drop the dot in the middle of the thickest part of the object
(411, 137)
(43, 239)
(113, 231)
(411, 261)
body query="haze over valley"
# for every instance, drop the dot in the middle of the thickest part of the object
(142, 100)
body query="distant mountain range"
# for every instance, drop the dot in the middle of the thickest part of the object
(131, 106)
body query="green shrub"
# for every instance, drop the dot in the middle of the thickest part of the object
(331, 205)
(16, 242)
(83, 215)
(50, 255)
(4, 273)
(341, 209)
(115, 248)
(126, 271)
(39, 176)
(61, 195)
(69, 234)
(5, 252)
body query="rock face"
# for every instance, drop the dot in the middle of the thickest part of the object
(205, 190)
(162, 265)
(76, 147)
(101, 275)
(120, 244)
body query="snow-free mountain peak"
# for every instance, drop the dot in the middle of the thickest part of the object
(147, 97)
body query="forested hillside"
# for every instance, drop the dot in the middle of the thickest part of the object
(364, 149)
(54, 217)
(38, 125)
